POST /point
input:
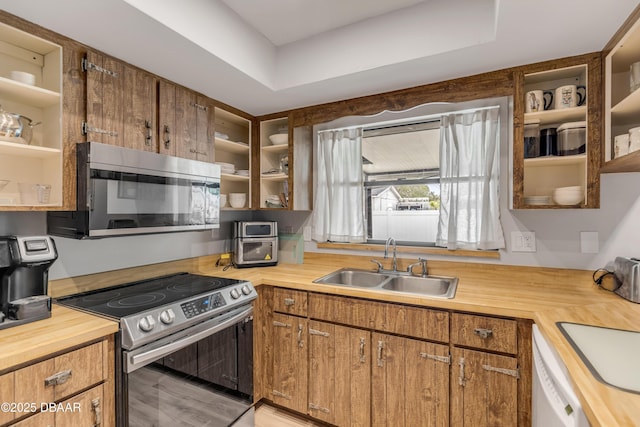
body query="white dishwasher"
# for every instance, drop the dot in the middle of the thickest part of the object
(554, 403)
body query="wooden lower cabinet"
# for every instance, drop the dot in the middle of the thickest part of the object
(484, 389)
(289, 362)
(410, 382)
(355, 362)
(72, 389)
(339, 374)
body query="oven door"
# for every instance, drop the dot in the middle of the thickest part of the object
(256, 252)
(200, 376)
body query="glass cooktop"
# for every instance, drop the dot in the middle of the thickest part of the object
(131, 298)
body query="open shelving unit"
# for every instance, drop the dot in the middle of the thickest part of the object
(274, 176)
(40, 161)
(541, 175)
(622, 105)
(234, 148)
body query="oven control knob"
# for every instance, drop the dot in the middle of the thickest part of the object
(235, 294)
(147, 323)
(246, 290)
(167, 317)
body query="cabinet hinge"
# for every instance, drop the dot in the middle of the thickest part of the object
(315, 407)
(86, 128)
(86, 66)
(280, 324)
(277, 393)
(511, 372)
(200, 106)
(437, 358)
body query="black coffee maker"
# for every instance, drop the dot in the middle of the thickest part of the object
(24, 275)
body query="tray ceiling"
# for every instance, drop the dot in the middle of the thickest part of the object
(268, 56)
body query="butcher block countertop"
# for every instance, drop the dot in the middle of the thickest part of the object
(65, 329)
(545, 295)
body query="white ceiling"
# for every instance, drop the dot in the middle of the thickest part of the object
(268, 56)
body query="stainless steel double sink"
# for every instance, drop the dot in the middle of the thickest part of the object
(393, 282)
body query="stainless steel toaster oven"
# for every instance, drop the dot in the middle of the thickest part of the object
(627, 273)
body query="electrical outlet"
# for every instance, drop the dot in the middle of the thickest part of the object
(523, 241)
(589, 242)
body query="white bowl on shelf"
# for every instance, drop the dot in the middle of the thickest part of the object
(237, 200)
(279, 138)
(223, 200)
(567, 196)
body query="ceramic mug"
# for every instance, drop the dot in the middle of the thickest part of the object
(570, 96)
(537, 100)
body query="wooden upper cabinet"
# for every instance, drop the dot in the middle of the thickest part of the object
(167, 118)
(140, 105)
(194, 116)
(105, 99)
(537, 172)
(121, 104)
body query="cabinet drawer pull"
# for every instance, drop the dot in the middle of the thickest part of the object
(511, 372)
(443, 359)
(289, 301)
(58, 378)
(97, 412)
(483, 333)
(362, 356)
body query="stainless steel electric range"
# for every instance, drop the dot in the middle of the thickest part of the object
(184, 352)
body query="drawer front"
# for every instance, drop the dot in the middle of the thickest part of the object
(487, 333)
(56, 378)
(86, 366)
(417, 322)
(349, 311)
(42, 419)
(85, 409)
(290, 301)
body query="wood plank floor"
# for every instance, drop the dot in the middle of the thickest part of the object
(158, 399)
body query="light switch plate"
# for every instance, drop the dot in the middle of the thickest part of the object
(523, 241)
(589, 242)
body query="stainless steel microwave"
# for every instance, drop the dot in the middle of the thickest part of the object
(121, 191)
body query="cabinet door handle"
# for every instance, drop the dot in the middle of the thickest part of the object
(380, 348)
(58, 378)
(149, 137)
(167, 136)
(97, 412)
(300, 340)
(461, 380)
(289, 301)
(363, 358)
(483, 333)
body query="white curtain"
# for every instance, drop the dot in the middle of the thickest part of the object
(469, 181)
(338, 208)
